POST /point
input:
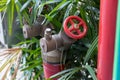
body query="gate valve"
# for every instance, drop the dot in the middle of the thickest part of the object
(75, 27)
(29, 31)
(64, 38)
(52, 45)
(36, 29)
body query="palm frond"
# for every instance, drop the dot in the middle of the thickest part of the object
(8, 58)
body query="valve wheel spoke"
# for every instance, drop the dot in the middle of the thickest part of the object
(78, 32)
(71, 28)
(71, 22)
(80, 24)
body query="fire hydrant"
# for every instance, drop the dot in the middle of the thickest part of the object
(74, 28)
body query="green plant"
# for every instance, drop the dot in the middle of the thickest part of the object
(84, 51)
(31, 58)
(80, 60)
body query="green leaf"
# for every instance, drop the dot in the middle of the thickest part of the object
(18, 7)
(61, 73)
(31, 67)
(3, 5)
(83, 13)
(8, 1)
(91, 49)
(40, 7)
(24, 13)
(59, 7)
(25, 5)
(34, 62)
(91, 71)
(2, 8)
(37, 75)
(67, 12)
(10, 15)
(54, 21)
(66, 74)
(27, 18)
(52, 1)
(73, 72)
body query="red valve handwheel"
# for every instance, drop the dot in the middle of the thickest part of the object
(74, 30)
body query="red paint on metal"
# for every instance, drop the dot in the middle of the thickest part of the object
(51, 69)
(75, 27)
(108, 9)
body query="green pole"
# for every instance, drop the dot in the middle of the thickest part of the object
(116, 69)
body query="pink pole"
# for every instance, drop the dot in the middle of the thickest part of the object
(108, 10)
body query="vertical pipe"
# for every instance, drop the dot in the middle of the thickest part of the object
(107, 25)
(52, 63)
(116, 72)
(51, 69)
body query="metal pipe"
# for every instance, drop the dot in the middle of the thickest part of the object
(116, 69)
(52, 63)
(107, 25)
(51, 69)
